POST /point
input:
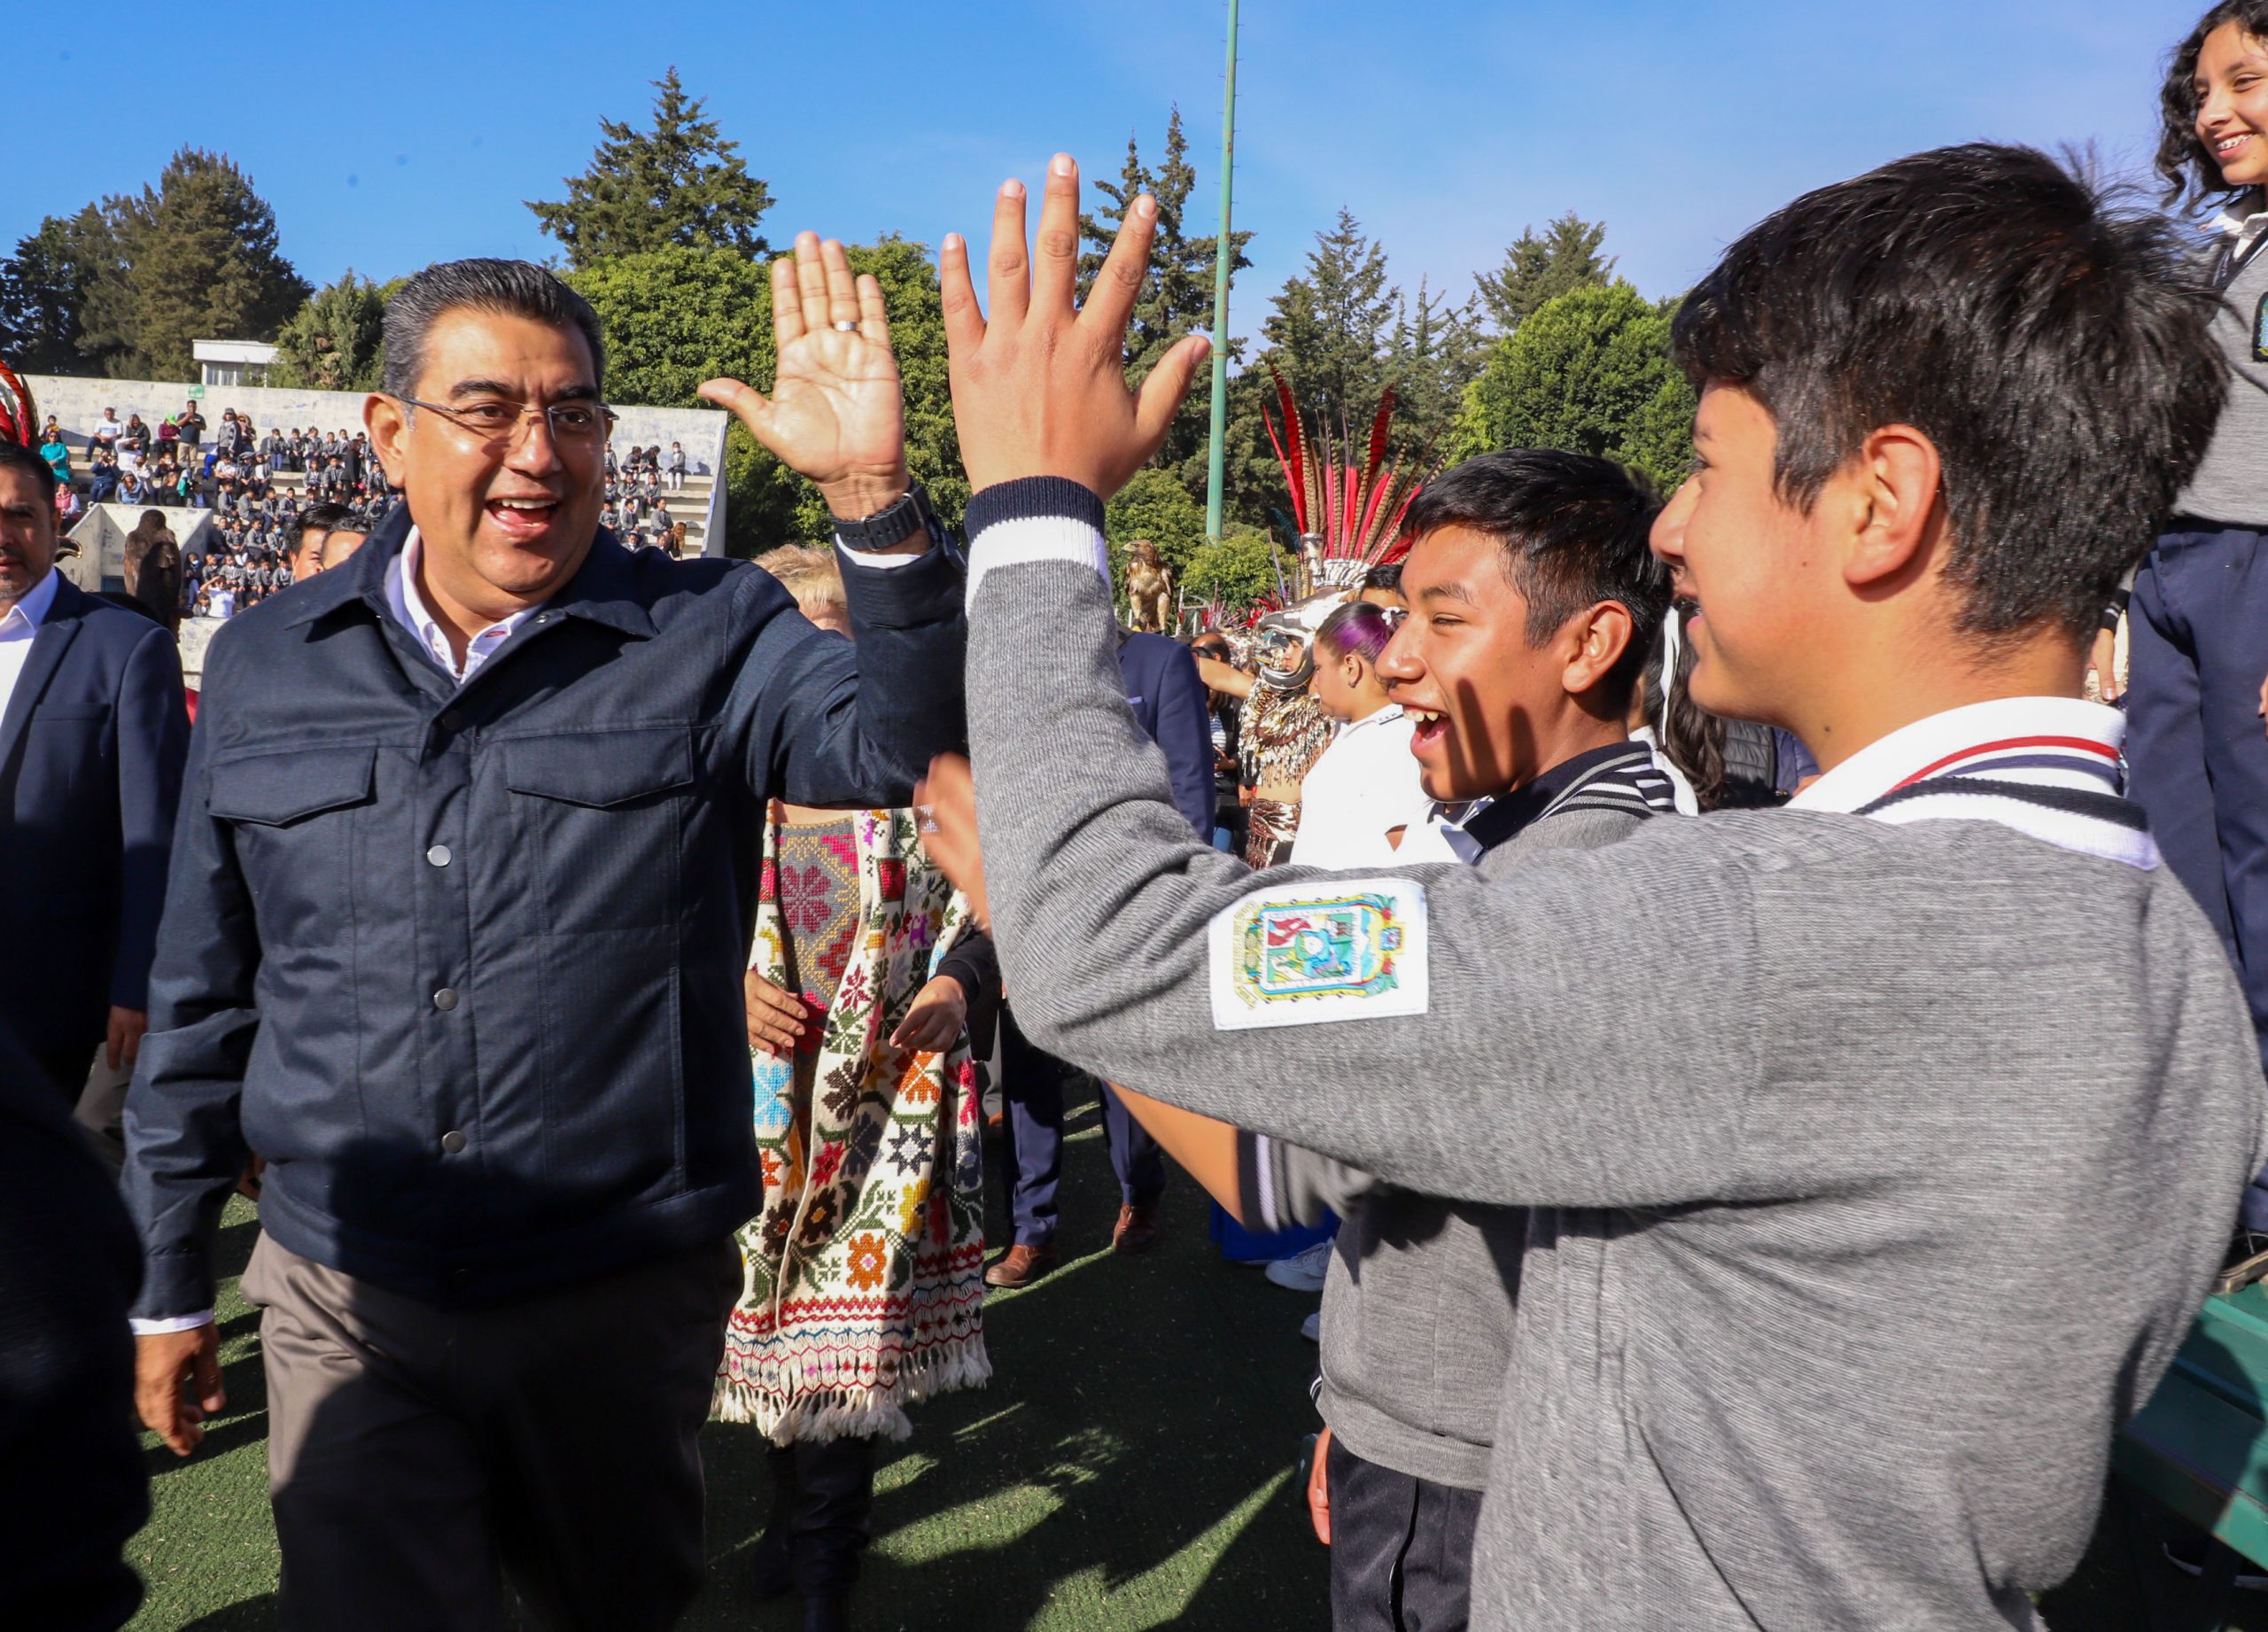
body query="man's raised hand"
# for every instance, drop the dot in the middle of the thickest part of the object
(1040, 386)
(835, 413)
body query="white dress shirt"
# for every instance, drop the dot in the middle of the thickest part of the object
(17, 629)
(410, 611)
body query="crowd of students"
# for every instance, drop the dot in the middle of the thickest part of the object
(1698, 958)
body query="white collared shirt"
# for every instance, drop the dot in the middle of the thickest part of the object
(410, 611)
(2011, 744)
(2244, 233)
(17, 629)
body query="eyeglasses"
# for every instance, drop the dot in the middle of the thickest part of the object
(498, 422)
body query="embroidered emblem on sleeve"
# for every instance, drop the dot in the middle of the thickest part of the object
(1301, 954)
(2260, 330)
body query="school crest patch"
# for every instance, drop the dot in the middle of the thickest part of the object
(1331, 949)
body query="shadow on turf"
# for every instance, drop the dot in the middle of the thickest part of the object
(252, 1615)
(1136, 1404)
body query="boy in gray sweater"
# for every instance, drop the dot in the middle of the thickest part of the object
(1878, 1150)
(1531, 594)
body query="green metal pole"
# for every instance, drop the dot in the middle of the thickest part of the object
(1216, 451)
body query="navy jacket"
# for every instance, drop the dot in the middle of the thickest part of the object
(90, 765)
(1169, 703)
(463, 961)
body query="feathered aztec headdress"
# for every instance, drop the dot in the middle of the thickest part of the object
(19, 417)
(1354, 509)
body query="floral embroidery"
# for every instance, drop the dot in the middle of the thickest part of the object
(869, 1261)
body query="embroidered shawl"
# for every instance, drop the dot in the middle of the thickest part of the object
(864, 1286)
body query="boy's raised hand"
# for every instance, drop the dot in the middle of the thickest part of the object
(1040, 386)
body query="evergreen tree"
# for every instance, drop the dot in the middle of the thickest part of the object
(1176, 298)
(681, 183)
(336, 341)
(197, 260)
(45, 289)
(1537, 269)
(1331, 329)
(1432, 357)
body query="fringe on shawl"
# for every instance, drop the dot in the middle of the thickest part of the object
(786, 1407)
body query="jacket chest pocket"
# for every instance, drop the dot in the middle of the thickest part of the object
(605, 810)
(293, 813)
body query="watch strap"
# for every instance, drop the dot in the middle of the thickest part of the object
(893, 524)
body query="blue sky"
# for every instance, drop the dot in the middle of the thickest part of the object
(415, 135)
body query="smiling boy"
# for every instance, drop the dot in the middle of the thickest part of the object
(1837, 1123)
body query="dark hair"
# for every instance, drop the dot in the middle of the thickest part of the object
(325, 517)
(2056, 348)
(1355, 630)
(506, 288)
(16, 456)
(1387, 576)
(1576, 531)
(2181, 158)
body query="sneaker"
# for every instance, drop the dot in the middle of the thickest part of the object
(1311, 1328)
(2189, 1558)
(1303, 1271)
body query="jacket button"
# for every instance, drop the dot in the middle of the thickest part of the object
(445, 999)
(450, 719)
(438, 855)
(452, 1142)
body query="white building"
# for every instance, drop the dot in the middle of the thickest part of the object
(232, 363)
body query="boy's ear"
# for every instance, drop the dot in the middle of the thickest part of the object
(1894, 496)
(1601, 635)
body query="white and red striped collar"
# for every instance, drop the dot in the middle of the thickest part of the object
(2048, 766)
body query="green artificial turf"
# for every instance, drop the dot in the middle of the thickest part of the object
(1130, 1465)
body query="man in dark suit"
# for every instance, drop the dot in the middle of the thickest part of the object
(1169, 703)
(93, 735)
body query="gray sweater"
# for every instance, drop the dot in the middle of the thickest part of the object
(2231, 484)
(1878, 1169)
(1417, 1303)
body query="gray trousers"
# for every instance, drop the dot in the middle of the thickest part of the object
(419, 1458)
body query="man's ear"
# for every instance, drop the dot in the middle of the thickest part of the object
(388, 424)
(1894, 497)
(1601, 633)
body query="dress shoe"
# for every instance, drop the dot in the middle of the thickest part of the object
(1021, 1265)
(1138, 1228)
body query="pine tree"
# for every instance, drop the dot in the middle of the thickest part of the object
(681, 183)
(1177, 299)
(45, 289)
(1332, 328)
(1434, 354)
(197, 260)
(1536, 269)
(336, 341)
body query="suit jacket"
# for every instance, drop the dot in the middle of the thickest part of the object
(91, 749)
(1169, 702)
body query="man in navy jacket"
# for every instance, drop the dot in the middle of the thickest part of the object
(463, 898)
(1168, 701)
(93, 733)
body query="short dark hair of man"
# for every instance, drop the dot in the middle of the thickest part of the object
(506, 288)
(1575, 531)
(316, 518)
(16, 456)
(2181, 158)
(1387, 576)
(2053, 345)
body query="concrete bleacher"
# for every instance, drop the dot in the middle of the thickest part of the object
(78, 404)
